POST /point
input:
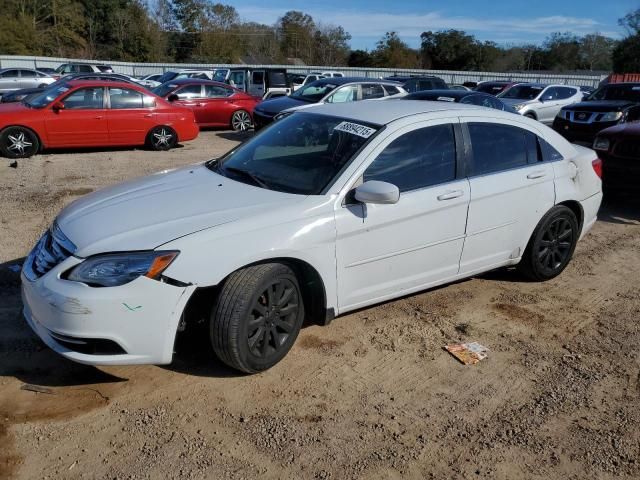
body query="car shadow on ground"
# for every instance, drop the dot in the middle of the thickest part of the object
(235, 136)
(621, 209)
(23, 355)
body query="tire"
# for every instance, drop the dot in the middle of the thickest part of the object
(241, 121)
(162, 138)
(249, 328)
(18, 142)
(530, 115)
(551, 246)
(42, 85)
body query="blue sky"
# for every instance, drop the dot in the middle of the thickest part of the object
(503, 21)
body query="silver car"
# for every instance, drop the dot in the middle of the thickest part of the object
(17, 78)
(540, 101)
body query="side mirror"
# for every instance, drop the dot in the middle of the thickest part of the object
(172, 98)
(375, 191)
(57, 106)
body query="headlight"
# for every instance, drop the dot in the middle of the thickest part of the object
(601, 144)
(611, 117)
(281, 115)
(519, 106)
(114, 269)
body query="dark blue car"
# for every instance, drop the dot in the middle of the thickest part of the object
(462, 96)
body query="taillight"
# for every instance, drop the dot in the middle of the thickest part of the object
(597, 167)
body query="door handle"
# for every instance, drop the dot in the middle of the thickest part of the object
(450, 195)
(534, 175)
(148, 115)
(98, 117)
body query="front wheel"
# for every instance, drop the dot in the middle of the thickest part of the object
(18, 142)
(552, 245)
(241, 121)
(162, 138)
(257, 317)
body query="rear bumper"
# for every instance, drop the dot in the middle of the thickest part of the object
(590, 207)
(135, 323)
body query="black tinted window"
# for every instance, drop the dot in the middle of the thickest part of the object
(391, 90)
(28, 73)
(497, 147)
(257, 78)
(125, 98)
(85, 68)
(549, 154)
(372, 91)
(417, 159)
(10, 74)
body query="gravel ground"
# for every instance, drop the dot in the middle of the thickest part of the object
(371, 396)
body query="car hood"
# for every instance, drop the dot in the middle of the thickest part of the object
(623, 130)
(145, 213)
(601, 106)
(277, 105)
(516, 101)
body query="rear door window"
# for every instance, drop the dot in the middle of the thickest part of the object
(28, 73)
(370, 90)
(497, 147)
(216, 91)
(125, 98)
(189, 91)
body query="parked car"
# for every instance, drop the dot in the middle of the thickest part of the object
(418, 84)
(326, 90)
(97, 113)
(19, 95)
(609, 105)
(105, 68)
(47, 70)
(459, 87)
(328, 74)
(67, 68)
(321, 214)
(12, 79)
(214, 104)
(619, 149)
(265, 83)
(461, 96)
(539, 101)
(172, 75)
(493, 87)
(154, 77)
(298, 81)
(586, 91)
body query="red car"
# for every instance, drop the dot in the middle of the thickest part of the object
(214, 104)
(92, 113)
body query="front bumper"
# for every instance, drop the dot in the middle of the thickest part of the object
(590, 207)
(580, 132)
(141, 317)
(261, 120)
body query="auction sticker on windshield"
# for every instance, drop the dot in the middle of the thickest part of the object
(355, 129)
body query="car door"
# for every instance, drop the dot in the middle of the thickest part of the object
(82, 121)
(549, 105)
(218, 106)
(511, 189)
(237, 79)
(257, 85)
(384, 251)
(9, 80)
(192, 96)
(131, 115)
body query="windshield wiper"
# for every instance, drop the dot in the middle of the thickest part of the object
(244, 173)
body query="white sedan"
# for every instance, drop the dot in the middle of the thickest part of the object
(328, 210)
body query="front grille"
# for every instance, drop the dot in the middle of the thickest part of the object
(628, 149)
(51, 250)
(88, 346)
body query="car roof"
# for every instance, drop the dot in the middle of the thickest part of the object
(387, 111)
(345, 80)
(533, 84)
(104, 83)
(201, 81)
(451, 93)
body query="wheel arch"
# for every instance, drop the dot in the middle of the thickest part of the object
(38, 136)
(530, 114)
(577, 209)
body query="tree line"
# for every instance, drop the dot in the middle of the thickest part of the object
(202, 31)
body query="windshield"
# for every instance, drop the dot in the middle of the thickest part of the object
(522, 92)
(220, 75)
(47, 96)
(167, 76)
(164, 89)
(314, 92)
(302, 153)
(629, 93)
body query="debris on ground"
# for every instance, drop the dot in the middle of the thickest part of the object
(37, 389)
(468, 353)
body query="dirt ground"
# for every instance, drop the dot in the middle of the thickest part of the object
(371, 396)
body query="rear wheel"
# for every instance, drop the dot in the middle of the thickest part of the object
(162, 138)
(257, 317)
(18, 142)
(552, 245)
(241, 121)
